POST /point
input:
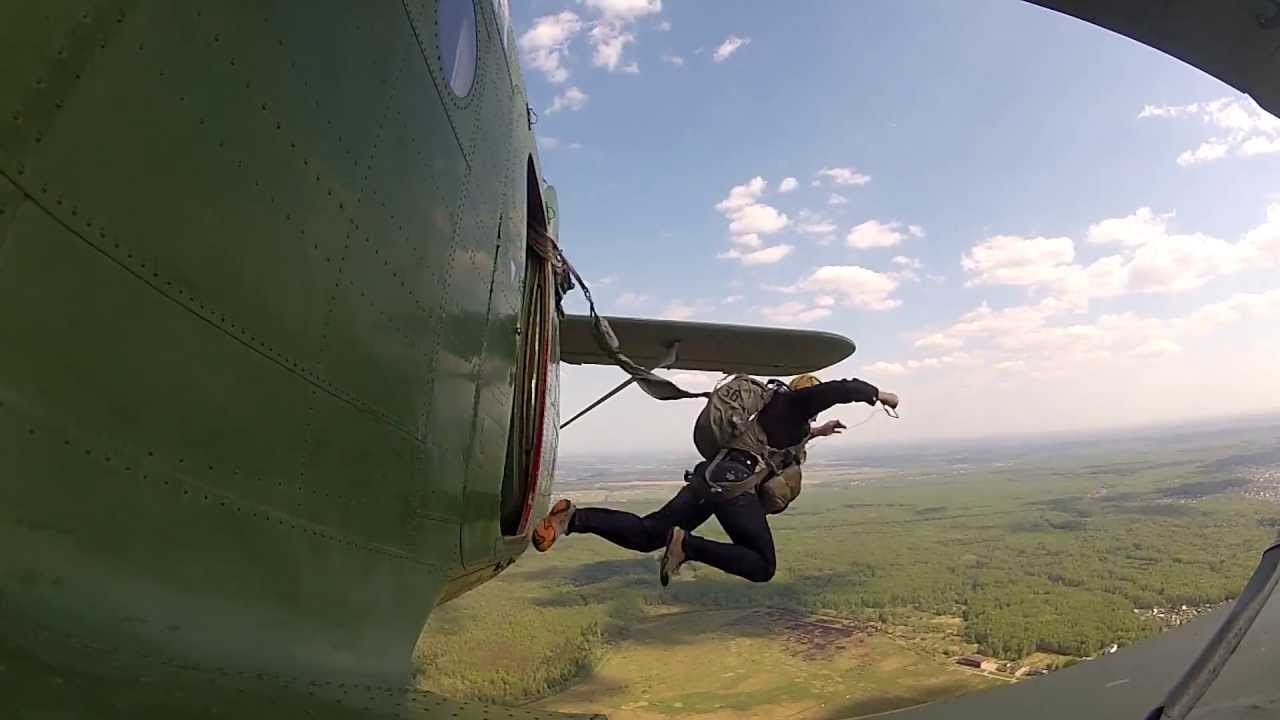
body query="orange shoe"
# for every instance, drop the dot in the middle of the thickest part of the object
(555, 524)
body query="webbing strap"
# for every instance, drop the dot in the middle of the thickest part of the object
(653, 384)
(728, 491)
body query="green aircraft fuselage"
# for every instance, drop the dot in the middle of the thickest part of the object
(261, 271)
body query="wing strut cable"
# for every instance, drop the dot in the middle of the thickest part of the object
(673, 352)
(1198, 678)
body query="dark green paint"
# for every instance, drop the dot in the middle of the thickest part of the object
(259, 275)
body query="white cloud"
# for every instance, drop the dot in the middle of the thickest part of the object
(1141, 227)
(907, 262)
(855, 285)
(915, 231)
(732, 299)
(1014, 337)
(797, 313)
(681, 310)
(626, 9)
(837, 199)
(1211, 150)
(1236, 114)
(758, 218)
(875, 234)
(1237, 308)
(1162, 111)
(1259, 145)
(1051, 337)
(844, 176)
(742, 195)
(765, 256)
(608, 40)
(788, 184)
(546, 45)
(731, 45)
(812, 223)
(884, 368)
(1157, 348)
(939, 341)
(571, 99)
(1153, 260)
(817, 227)
(749, 219)
(1242, 126)
(942, 361)
(632, 299)
(1014, 260)
(673, 60)
(983, 322)
(664, 26)
(1261, 244)
(1177, 263)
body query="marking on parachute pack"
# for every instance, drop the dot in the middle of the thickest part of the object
(1114, 683)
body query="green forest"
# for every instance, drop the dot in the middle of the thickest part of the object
(1044, 555)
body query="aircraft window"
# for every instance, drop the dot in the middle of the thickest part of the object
(457, 23)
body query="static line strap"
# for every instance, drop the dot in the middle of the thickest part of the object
(875, 413)
(654, 385)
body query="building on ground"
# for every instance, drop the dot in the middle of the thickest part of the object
(978, 661)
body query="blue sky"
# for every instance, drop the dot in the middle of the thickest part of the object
(1026, 223)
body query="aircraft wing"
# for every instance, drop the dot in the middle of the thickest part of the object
(1233, 40)
(707, 346)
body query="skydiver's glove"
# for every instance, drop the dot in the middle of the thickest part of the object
(889, 400)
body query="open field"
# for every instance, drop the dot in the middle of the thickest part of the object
(885, 576)
(759, 663)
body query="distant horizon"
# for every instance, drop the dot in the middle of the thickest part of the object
(1208, 424)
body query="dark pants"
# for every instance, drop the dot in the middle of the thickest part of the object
(750, 555)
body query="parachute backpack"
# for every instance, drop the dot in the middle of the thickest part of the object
(728, 422)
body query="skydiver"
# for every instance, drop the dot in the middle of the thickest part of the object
(786, 423)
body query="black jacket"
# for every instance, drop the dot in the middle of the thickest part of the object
(786, 417)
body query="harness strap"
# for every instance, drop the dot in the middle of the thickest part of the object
(727, 491)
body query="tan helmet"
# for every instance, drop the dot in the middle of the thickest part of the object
(801, 382)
